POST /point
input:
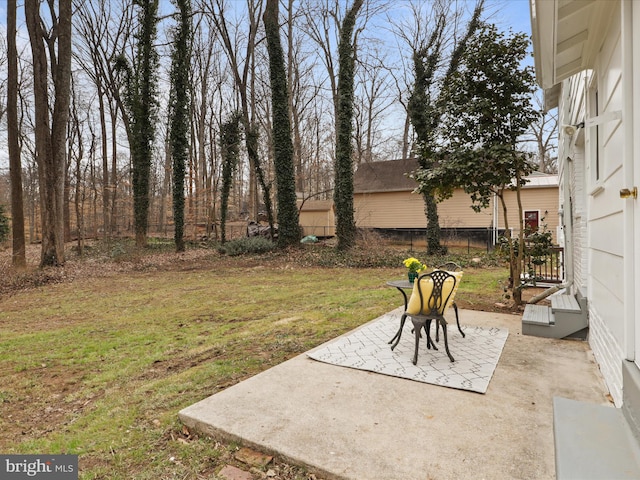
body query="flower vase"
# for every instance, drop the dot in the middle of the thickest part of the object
(412, 276)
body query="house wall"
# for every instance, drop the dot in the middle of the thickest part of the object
(544, 200)
(605, 219)
(318, 218)
(406, 210)
(576, 208)
(595, 178)
(456, 212)
(572, 182)
(388, 210)
(318, 223)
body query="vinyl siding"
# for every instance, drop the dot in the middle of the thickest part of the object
(596, 210)
(406, 210)
(544, 200)
(318, 218)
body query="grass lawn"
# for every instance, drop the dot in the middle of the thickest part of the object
(100, 366)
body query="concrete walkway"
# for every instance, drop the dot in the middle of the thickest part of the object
(343, 423)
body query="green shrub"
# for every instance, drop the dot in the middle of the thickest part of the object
(246, 245)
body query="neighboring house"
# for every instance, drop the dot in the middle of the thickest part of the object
(383, 200)
(317, 217)
(587, 59)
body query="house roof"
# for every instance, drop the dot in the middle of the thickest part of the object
(391, 176)
(542, 180)
(567, 35)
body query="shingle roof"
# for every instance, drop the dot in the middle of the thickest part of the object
(389, 176)
(542, 180)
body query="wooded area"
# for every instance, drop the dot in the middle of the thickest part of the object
(228, 75)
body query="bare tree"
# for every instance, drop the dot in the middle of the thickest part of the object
(99, 39)
(76, 158)
(243, 71)
(18, 257)
(371, 103)
(51, 130)
(433, 68)
(543, 135)
(207, 104)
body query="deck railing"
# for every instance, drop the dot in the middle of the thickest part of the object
(548, 269)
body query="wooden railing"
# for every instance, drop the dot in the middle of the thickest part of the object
(549, 269)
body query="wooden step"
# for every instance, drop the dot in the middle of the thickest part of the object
(565, 303)
(541, 321)
(537, 315)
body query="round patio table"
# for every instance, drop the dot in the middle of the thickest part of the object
(402, 286)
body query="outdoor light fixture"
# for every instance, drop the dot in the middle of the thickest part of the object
(570, 130)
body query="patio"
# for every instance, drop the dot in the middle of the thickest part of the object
(344, 423)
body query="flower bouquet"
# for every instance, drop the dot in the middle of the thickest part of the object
(415, 266)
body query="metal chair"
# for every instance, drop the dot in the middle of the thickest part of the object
(433, 292)
(452, 267)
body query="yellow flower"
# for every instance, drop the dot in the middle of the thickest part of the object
(414, 265)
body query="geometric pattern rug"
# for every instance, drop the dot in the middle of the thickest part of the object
(367, 348)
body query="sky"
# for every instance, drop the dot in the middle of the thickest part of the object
(514, 13)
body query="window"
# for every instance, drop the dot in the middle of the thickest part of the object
(594, 133)
(531, 221)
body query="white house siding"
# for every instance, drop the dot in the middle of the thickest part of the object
(573, 181)
(607, 352)
(578, 211)
(601, 233)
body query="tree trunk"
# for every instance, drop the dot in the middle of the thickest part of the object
(288, 225)
(113, 184)
(343, 194)
(180, 110)
(434, 246)
(517, 270)
(514, 260)
(18, 257)
(51, 140)
(248, 111)
(105, 162)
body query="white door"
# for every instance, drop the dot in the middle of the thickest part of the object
(631, 19)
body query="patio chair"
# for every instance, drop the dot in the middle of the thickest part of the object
(431, 294)
(456, 269)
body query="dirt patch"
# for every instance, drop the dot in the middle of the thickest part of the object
(52, 402)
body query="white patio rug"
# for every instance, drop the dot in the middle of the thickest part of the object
(367, 348)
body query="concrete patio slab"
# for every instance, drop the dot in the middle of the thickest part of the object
(343, 423)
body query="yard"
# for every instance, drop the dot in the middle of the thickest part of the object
(96, 359)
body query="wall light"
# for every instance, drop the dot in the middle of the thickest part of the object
(570, 130)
